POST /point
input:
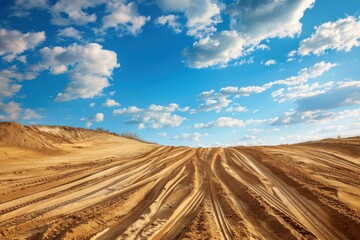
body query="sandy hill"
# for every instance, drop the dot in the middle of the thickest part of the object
(102, 186)
(13, 134)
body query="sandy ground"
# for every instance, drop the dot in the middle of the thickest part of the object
(99, 186)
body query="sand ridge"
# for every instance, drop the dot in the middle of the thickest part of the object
(95, 185)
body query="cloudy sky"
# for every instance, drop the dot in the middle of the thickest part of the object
(198, 73)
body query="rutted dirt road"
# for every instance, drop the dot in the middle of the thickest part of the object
(105, 187)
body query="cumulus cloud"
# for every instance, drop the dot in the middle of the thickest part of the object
(129, 110)
(9, 78)
(207, 94)
(21, 7)
(214, 104)
(124, 18)
(233, 122)
(268, 18)
(336, 95)
(190, 136)
(111, 103)
(202, 15)
(171, 20)
(7, 88)
(270, 62)
(66, 12)
(12, 111)
(88, 66)
(300, 91)
(249, 140)
(250, 23)
(236, 109)
(31, 114)
(98, 117)
(243, 91)
(317, 96)
(304, 75)
(316, 116)
(154, 117)
(216, 50)
(221, 122)
(341, 35)
(13, 42)
(70, 32)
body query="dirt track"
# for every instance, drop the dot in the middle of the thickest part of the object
(129, 190)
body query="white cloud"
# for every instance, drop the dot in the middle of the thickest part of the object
(156, 120)
(341, 35)
(304, 75)
(316, 116)
(9, 76)
(31, 114)
(21, 7)
(171, 20)
(236, 109)
(88, 67)
(190, 136)
(13, 42)
(66, 12)
(91, 104)
(184, 109)
(207, 94)
(70, 32)
(98, 117)
(270, 62)
(244, 61)
(159, 108)
(7, 88)
(338, 130)
(250, 23)
(221, 122)
(268, 18)
(163, 134)
(250, 90)
(155, 117)
(124, 18)
(216, 50)
(214, 104)
(332, 96)
(249, 140)
(202, 15)
(301, 91)
(110, 103)
(12, 111)
(243, 91)
(129, 110)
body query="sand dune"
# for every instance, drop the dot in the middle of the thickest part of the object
(68, 183)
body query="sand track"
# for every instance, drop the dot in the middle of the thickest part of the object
(145, 191)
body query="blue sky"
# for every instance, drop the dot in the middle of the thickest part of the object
(198, 73)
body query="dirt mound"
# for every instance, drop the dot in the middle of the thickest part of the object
(44, 137)
(109, 187)
(16, 135)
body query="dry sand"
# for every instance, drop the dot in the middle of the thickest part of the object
(68, 183)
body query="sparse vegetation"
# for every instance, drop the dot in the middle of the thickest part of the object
(131, 135)
(127, 134)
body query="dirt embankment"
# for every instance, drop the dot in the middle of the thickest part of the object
(107, 187)
(46, 138)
